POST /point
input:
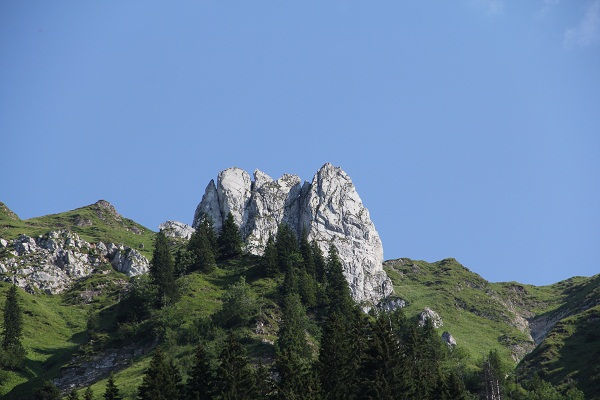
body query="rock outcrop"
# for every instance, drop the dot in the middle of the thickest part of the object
(176, 229)
(328, 208)
(51, 262)
(448, 339)
(429, 314)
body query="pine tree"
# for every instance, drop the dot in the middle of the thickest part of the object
(162, 270)
(338, 292)
(47, 392)
(88, 394)
(230, 240)
(264, 382)
(319, 261)
(73, 395)
(269, 262)
(13, 351)
(307, 286)
(235, 378)
(202, 251)
(292, 350)
(161, 381)
(200, 385)
(111, 392)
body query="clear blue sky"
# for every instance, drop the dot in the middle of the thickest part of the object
(470, 127)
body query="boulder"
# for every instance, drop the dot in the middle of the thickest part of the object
(176, 229)
(448, 339)
(429, 314)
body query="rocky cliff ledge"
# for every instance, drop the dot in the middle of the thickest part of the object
(329, 208)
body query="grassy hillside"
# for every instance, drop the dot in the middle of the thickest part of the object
(95, 222)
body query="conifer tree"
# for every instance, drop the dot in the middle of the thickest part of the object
(264, 382)
(13, 351)
(307, 255)
(202, 250)
(307, 287)
(111, 392)
(338, 292)
(319, 261)
(235, 378)
(269, 262)
(230, 240)
(161, 381)
(162, 270)
(47, 392)
(286, 243)
(73, 395)
(88, 395)
(292, 350)
(200, 385)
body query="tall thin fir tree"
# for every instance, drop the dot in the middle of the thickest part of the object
(72, 395)
(202, 249)
(14, 352)
(88, 394)
(269, 263)
(161, 381)
(162, 270)
(307, 255)
(200, 385)
(235, 378)
(230, 240)
(286, 243)
(319, 261)
(112, 392)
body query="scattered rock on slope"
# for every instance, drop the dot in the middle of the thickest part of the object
(429, 314)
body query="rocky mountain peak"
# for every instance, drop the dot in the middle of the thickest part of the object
(6, 212)
(106, 206)
(328, 208)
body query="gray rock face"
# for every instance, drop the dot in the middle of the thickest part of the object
(51, 262)
(328, 208)
(176, 229)
(448, 339)
(391, 303)
(429, 314)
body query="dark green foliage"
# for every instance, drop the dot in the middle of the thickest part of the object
(239, 305)
(136, 304)
(307, 286)
(286, 243)
(319, 261)
(264, 383)
(111, 392)
(292, 351)
(162, 270)
(13, 352)
(337, 292)
(235, 378)
(269, 262)
(307, 255)
(203, 248)
(73, 395)
(290, 279)
(47, 392)
(230, 240)
(88, 395)
(161, 381)
(200, 385)
(184, 261)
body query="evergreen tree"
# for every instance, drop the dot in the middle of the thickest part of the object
(73, 395)
(200, 385)
(88, 395)
(111, 392)
(337, 292)
(47, 392)
(235, 378)
(161, 381)
(269, 261)
(230, 240)
(162, 270)
(319, 261)
(286, 243)
(264, 382)
(239, 305)
(307, 255)
(307, 286)
(493, 376)
(12, 349)
(208, 228)
(202, 251)
(292, 351)
(184, 261)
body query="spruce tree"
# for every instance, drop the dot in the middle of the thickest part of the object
(338, 293)
(235, 378)
(319, 261)
(72, 395)
(200, 385)
(88, 394)
(292, 351)
(307, 287)
(307, 255)
(269, 264)
(230, 240)
(13, 350)
(47, 392)
(111, 392)
(286, 243)
(162, 270)
(202, 251)
(264, 382)
(161, 381)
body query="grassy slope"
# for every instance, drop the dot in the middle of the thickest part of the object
(93, 223)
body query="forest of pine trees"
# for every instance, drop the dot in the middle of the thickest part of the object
(326, 347)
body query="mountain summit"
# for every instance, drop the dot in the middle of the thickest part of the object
(328, 208)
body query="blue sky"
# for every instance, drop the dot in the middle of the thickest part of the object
(470, 128)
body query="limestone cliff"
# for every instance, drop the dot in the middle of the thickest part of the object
(329, 208)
